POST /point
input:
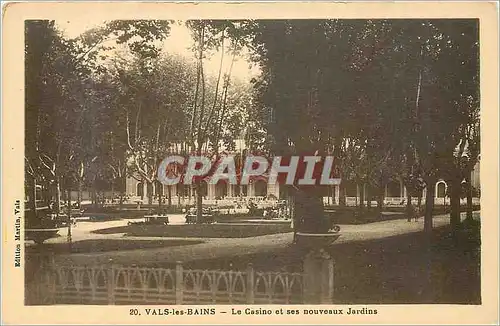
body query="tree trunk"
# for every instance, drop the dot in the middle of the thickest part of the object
(79, 199)
(429, 205)
(149, 189)
(455, 203)
(368, 197)
(293, 216)
(169, 192)
(469, 196)
(33, 195)
(409, 206)
(159, 191)
(95, 198)
(94, 195)
(419, 203)
(112, 191)
(380, 198)
(199, 202)
(120, 204)
(309, 211)
(290, 206)
(69, 238)
(58, 197)
(142, 192)
(342, 195)
(362, 197)
(122, 191)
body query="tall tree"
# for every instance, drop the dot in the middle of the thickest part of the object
(59, 93)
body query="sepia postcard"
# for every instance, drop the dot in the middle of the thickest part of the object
(250, 163)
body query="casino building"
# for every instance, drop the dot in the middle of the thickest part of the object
(260, 189)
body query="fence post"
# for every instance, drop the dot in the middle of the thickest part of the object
(53, 277)
(327, 279)
(111, 285)
(46, 276)
(179, 282)
(250, 284)
(318, 277)
(311, 286)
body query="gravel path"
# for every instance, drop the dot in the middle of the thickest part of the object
(217, 247)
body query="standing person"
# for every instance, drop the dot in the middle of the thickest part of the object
(51, 213)
(417, 213)
(411, 212)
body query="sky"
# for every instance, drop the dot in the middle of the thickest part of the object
(178, 42)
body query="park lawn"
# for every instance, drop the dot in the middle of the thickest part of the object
(199, 230)
(106, 245)
(352, 216)
(394, 270)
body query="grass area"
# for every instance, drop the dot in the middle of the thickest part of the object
(403, 269)
(104, 245)
(354, 217)
(256, 220)
(437, 210)
(228, 218)
(400, 269)
(198, 230)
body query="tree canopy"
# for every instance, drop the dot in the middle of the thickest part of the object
(390, 99)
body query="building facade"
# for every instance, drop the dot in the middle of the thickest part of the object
(259, 188)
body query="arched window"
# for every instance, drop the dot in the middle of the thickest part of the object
(204, 188)
(187, 190)
(139, 189)
(240, 190)
(221, 189)
(183, 190)
(158, 188)
(149, 189)
(350, 189)
(260, 188)
(394, 189)
(440, 189)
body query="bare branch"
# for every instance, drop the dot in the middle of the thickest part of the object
(216, 86)
(128, 132)
(46, 165)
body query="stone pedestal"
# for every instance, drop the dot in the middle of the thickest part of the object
(318, 277)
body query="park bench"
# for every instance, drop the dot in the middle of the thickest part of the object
(40, 235)
(205, 219)
(153, 219)
(40, 227)
(207, 216)
(62, 220)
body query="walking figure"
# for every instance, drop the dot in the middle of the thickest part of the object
(416, 214)
(411, 214)
(296, 221)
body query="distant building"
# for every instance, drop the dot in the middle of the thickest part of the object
(259, 188)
